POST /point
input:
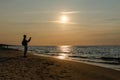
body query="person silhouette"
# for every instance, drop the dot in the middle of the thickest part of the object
(25, 44)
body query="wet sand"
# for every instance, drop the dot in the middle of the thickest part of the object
(14, 67)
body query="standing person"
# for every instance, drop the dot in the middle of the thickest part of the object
(25, 44)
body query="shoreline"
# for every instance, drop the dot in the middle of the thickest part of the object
(109, 66)
(13, 66)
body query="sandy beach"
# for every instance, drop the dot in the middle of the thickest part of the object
(14, 67)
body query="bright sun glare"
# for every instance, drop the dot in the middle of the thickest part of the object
(64, 19)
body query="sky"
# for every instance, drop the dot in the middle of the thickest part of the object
(89, 22)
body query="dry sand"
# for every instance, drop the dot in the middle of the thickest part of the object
(14, 67)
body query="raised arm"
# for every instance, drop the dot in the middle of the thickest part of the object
(29, 39)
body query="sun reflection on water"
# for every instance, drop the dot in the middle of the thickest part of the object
(65, 50)
(62, 56)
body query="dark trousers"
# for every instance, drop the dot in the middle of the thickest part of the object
(25, 50)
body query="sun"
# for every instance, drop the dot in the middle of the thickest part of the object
(64, 19)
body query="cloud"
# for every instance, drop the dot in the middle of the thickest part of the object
(70, 12)
(48, 12)
(39, 12)
(112, 19)
(59, 22)
(60, 12)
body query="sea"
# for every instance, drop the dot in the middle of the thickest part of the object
(104, 56)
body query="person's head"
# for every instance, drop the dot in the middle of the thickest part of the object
(24, 36)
